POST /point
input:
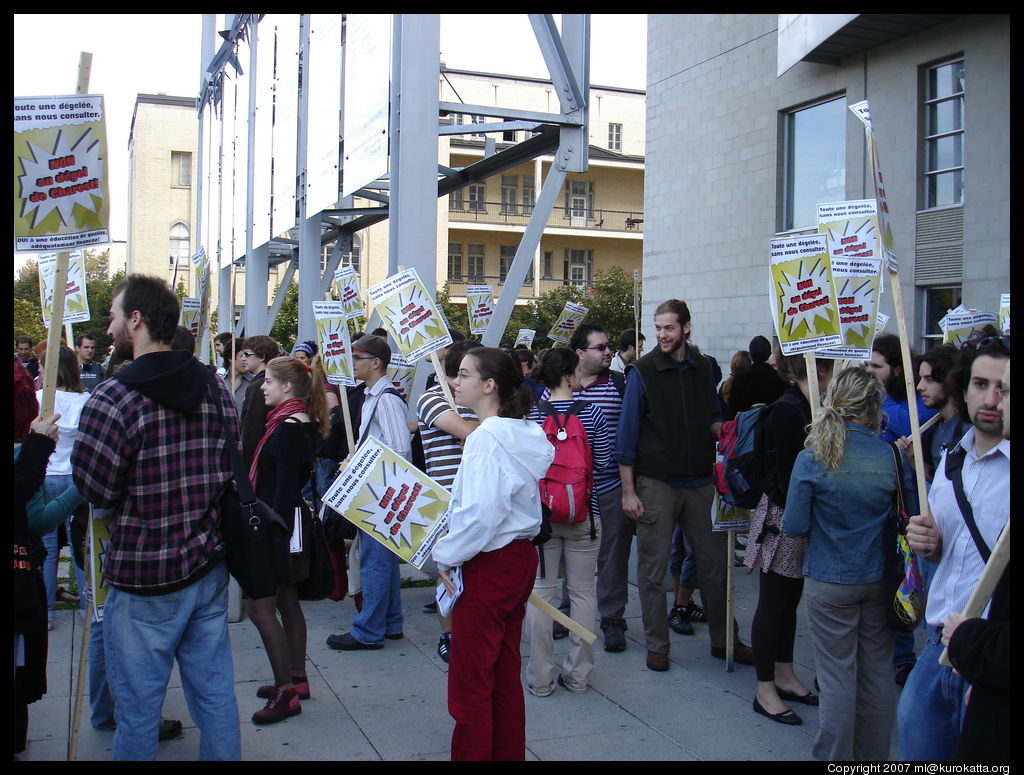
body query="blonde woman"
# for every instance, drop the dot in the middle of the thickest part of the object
(840, 495)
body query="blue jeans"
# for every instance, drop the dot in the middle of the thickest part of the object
(931, 708)
(681, 561)
(52, 487)
(100, 699)
(144, 634)
(382, 602)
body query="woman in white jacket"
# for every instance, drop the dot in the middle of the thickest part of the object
(494, 513)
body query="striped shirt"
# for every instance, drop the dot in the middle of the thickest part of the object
(987, 488)
(383, 417)
(442, 450)
(602, 393)
(598, 437)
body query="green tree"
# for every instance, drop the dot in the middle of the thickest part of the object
(28, 321)
(456, 314)
(286, 326)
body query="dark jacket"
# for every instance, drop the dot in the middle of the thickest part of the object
(253, 419)
(757, 384)
(786, 431)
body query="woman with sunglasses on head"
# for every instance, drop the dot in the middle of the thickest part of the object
(282, 463)
(494, 513)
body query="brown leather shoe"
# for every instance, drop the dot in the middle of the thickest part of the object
(657, 662)
(742, 654)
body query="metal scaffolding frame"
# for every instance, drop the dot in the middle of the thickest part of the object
(414, 173)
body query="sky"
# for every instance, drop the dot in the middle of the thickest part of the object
(159, 53)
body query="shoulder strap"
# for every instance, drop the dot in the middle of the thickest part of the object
(954, 472)
(619, 380)
(900, 507)
(242, 484)
(577, 408)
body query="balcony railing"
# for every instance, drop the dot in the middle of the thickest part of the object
(457, 285)
(519, 215)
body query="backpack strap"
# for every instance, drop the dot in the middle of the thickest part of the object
(619, 380)
(954, 472)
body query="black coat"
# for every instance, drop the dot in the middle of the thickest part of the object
(757, 384)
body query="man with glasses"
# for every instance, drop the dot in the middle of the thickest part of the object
(382, 417)
(259, 351)
(970, 504)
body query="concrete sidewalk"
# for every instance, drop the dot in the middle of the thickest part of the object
(391, 704)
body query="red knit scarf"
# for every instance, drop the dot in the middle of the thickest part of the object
(276, 416)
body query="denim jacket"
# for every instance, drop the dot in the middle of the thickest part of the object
(842, 512)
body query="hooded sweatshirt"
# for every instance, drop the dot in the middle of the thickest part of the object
(152, 446)
(495, 495)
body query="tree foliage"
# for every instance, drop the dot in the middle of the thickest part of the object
(286, 326)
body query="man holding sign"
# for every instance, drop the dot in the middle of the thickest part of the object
(970, 504)
(383, 417)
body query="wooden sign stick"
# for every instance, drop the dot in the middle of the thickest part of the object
(558, 616)
(730, 572)
(60, 289)
(986, 585)
(442, 380)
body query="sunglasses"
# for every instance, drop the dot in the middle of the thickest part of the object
(988, 341)
(599, 347)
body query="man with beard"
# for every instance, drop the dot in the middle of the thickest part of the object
(665, 447)
(153, 448)
(970, 504)
(886, 364)
(936, 368)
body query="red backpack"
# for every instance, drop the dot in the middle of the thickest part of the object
(567, 486)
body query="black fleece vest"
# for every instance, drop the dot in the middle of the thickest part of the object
(675, 431)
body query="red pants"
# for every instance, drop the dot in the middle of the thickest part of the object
(485, 693)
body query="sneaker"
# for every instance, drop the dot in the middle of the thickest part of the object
(444, 646)
(614, 630)
(678, 622)
(695, 613)
(169, 729)
(430, 608)
(283, 703)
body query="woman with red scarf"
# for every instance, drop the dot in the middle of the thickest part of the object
(296, 420)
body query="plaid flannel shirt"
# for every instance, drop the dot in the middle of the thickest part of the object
(163, 473)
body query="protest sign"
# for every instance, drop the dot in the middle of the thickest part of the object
(410, 315)
(346, 280)
(851, 229)
(401, 371)
(191, 309)
(333, 339)
(862, 111)
(480, 303)
(392, 501)
(1004, 313)
(97, 539)
(803, 299)
(880, 323)
(76, 300)
(569, 319)
(727, 517)
(961, 326)
(60, 185)
(525, 336)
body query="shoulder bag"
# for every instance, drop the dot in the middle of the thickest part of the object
(904, 587)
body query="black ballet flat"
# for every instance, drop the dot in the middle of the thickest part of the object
(786, 717)
(803, 699)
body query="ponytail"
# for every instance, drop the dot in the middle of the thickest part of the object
(307, 384)
(853, 394)
(514, 395)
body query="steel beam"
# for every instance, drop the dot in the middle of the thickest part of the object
(513, 114)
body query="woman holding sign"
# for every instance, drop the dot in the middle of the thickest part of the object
(494, 514)
(841, 494)
(283, 461)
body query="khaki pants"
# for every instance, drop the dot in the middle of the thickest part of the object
(573, 542)
(691, 508)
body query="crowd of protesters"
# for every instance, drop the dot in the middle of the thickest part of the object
(151, 441)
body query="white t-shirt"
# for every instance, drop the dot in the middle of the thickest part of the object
(69, 405)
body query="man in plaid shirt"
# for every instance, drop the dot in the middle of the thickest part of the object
(152, 447)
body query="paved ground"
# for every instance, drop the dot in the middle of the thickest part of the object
(391, 704)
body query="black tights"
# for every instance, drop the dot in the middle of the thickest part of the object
(774, 627)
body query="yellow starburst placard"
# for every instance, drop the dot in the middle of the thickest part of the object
(97, 540)
(392, 501)
(802, 295)
(480, 303)
(191, 311)
(410, 315)
(335, 344)
(569, 319)
(76, 298)
(61, 196)
(346, 282)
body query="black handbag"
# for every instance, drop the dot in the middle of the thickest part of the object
(320, 582)
(256, 538)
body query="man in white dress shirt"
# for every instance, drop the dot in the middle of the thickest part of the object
(931, 706)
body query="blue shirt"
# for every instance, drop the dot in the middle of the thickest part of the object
(634, 405)
(842, 512)
(896, 419)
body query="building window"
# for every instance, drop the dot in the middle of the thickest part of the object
(548, 256)
(578, 266)
(508, 137)
(579, 202)
(615, 137)
(477, 198)
(181, 169)
(937, 302)
(456, 200)
(179, 244)
(454, 260)
(944, 135)
(815, 161)
(475, 263)
(505, 259)
(509, 195)
(529, 194)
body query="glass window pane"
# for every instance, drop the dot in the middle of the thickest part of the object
(945, 117)
(945, 189)
(945, 153)
(946, 80)
(815, 161)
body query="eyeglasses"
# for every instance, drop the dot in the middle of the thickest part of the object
(600, 347)
(1003, 393)
(466, 375)
(247, 354)
(363, 357)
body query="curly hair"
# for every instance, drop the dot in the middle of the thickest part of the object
(853, 394)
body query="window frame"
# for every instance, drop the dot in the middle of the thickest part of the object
(930, 139)
(787, 216)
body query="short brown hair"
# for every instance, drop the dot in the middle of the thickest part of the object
(265, 347)
(682, 312)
